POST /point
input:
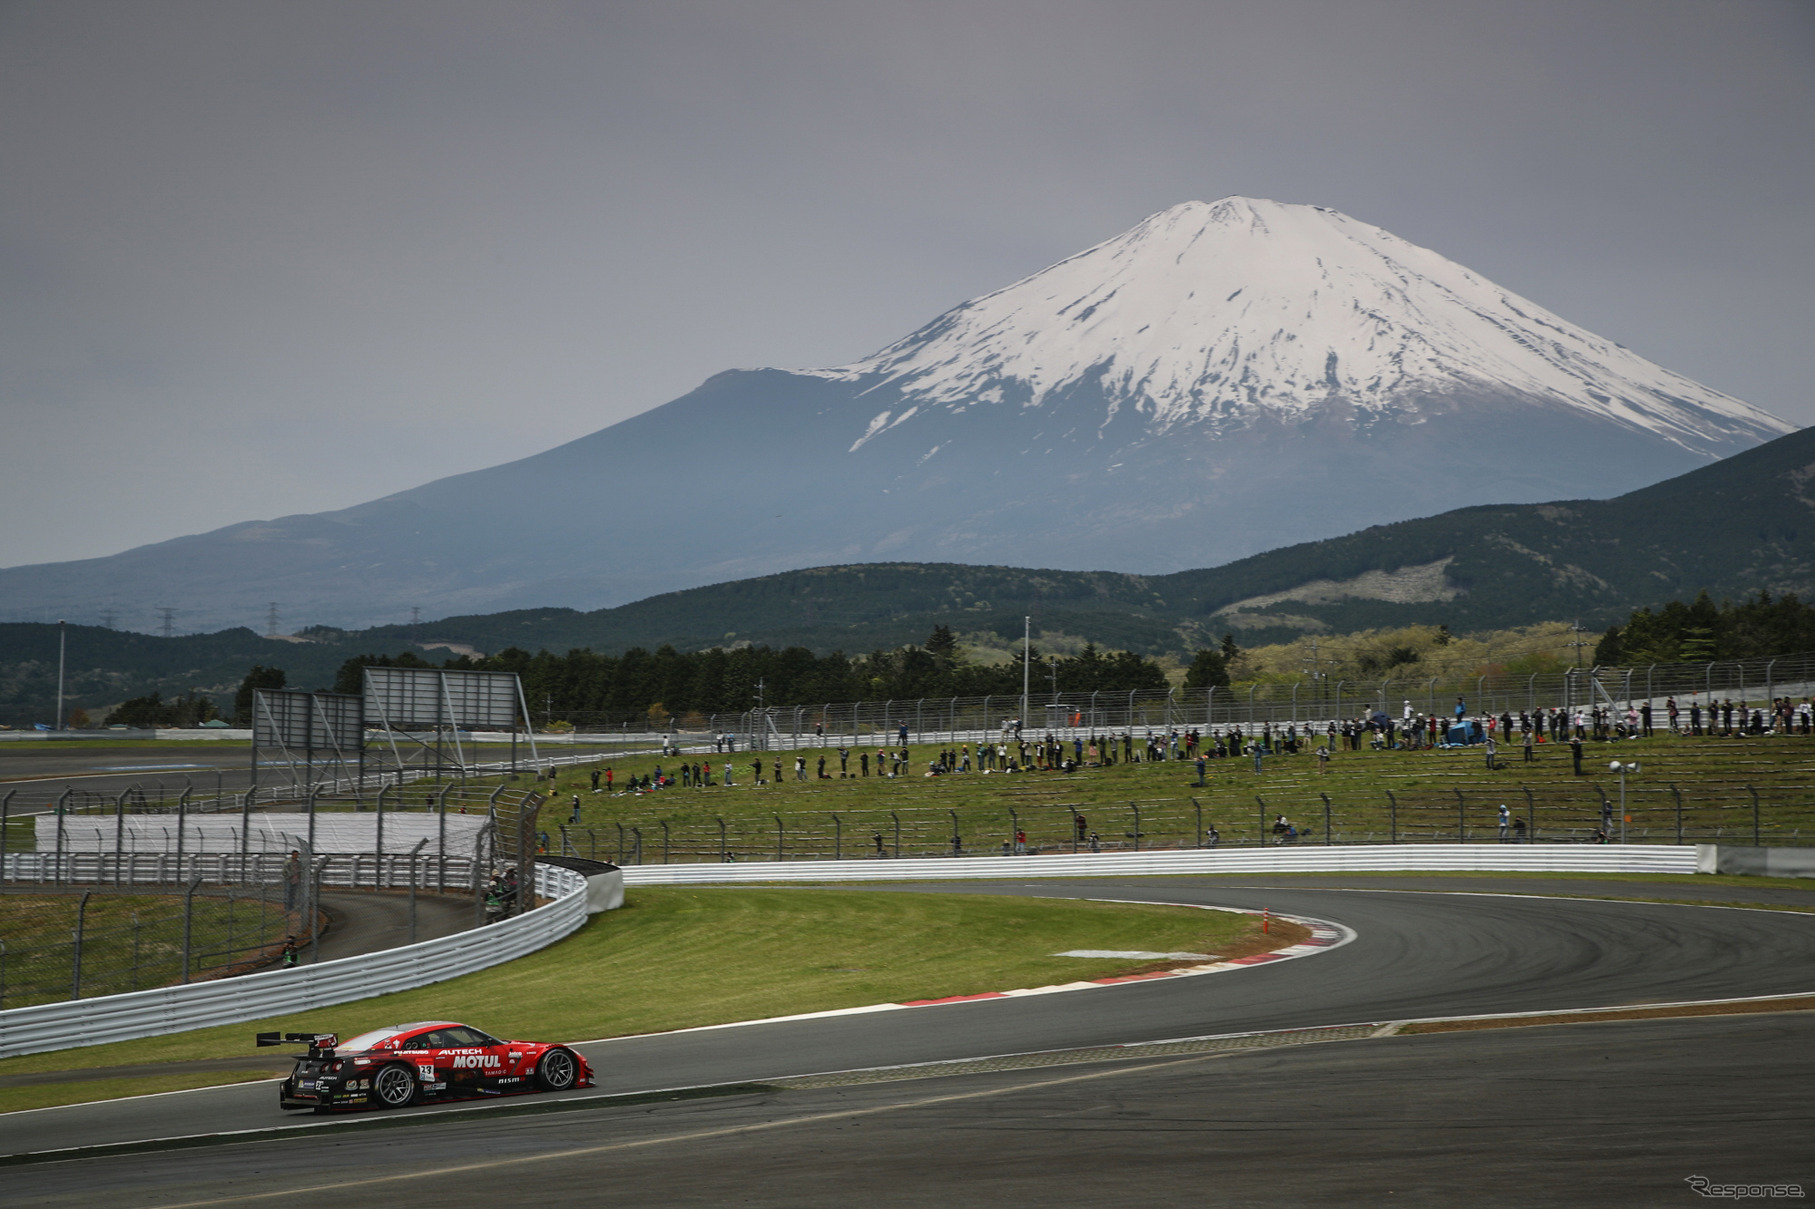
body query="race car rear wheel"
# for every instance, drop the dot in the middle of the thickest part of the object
(557, 1071)
(394, 1087)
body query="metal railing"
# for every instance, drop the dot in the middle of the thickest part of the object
(1481, 858)
(1273, 701)
(254, 996)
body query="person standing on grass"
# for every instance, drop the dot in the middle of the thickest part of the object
(595, 780)
(1575, 754)
(756, 772)
(1490, 753)
(1526, 741)
(1505, 822)
(863, 761)
(575, 816)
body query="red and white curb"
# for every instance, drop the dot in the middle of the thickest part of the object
(1325, 935)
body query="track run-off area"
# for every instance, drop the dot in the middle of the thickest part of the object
(1287, 1082)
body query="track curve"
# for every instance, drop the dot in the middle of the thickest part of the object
(1417, 953)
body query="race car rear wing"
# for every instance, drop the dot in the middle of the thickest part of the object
(321, 1045)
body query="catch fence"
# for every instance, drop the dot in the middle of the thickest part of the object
(75, 944)
(1776, 815)
(1317, 700)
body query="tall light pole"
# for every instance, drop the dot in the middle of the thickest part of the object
(62, 633)
(1623, 769)
(1027, 646)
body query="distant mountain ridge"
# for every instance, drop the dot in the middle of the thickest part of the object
(1223, 379)
(1733, 528)
(1227, 313)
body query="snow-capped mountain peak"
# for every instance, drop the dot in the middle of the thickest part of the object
(1217, 313)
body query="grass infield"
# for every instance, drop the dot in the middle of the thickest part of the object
(678, 957)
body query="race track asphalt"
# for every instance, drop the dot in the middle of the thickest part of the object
(1422, 949)
(1593, 1115)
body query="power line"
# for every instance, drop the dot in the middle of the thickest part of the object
(1577, 642)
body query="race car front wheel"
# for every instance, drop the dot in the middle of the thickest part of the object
(394, 1087)
(557, 1070)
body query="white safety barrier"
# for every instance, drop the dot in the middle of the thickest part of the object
(49, 1026)
(1410, 858)
(1755, 862)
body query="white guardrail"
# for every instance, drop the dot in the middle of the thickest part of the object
(48, 1026)
(1411, 858)
(281, 992)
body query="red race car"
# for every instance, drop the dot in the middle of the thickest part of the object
(429, 1060)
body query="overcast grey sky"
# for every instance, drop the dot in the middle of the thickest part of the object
(266, 258)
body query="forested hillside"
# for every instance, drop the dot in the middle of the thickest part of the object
(1731, 530)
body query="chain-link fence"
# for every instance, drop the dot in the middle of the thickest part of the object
(1776, 815)
(1753, 685)
(74, 943)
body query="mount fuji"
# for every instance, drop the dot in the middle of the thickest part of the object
(1223, 379)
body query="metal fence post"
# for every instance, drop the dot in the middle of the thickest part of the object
(1261, 836)
(378, 841)
(1754, 793)
(1392, 804)
(664, 824)
(1198, 842)
(722, 850)
(897, 819)
(781, 835)
(414, 852)
(837, 838)
(188, 921)
(1326, 818)
(182, 812)
(1677, 794)
(1461, 817)
(62, 805)
(75, 957)
(314, 917)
